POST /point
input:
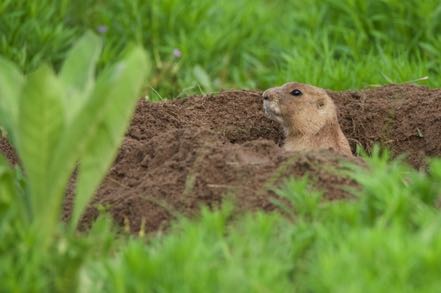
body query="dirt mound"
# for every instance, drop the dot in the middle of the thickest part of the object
(404, 118)
(179, 155)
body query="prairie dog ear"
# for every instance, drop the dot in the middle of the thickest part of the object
(320, 103)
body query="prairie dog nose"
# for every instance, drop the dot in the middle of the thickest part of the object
(268, 95)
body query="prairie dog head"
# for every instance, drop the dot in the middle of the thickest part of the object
(301, 109)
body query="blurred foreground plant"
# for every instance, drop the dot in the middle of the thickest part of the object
(58, 122)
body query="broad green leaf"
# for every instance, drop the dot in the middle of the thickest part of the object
(110, 103)
(11, 83)
(40, 123)
(102, 148)
(78, 72)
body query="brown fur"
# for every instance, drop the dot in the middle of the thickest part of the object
(309, 120)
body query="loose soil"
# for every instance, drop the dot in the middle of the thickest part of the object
(182, 154)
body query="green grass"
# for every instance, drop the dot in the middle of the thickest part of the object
(388, 239)
(239, 43)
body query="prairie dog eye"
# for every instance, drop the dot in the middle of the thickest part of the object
(296, 92)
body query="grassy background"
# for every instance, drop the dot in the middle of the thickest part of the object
(239, 43)
(388, 240)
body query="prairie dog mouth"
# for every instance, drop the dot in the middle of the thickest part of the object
(272, 111)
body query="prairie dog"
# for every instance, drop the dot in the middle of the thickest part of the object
(308, 117)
